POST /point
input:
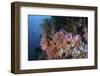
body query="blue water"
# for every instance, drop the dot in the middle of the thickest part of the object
(34, 33)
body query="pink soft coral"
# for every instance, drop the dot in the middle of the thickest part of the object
(59, 40)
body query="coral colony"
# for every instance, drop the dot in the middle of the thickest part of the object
(64, 45)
